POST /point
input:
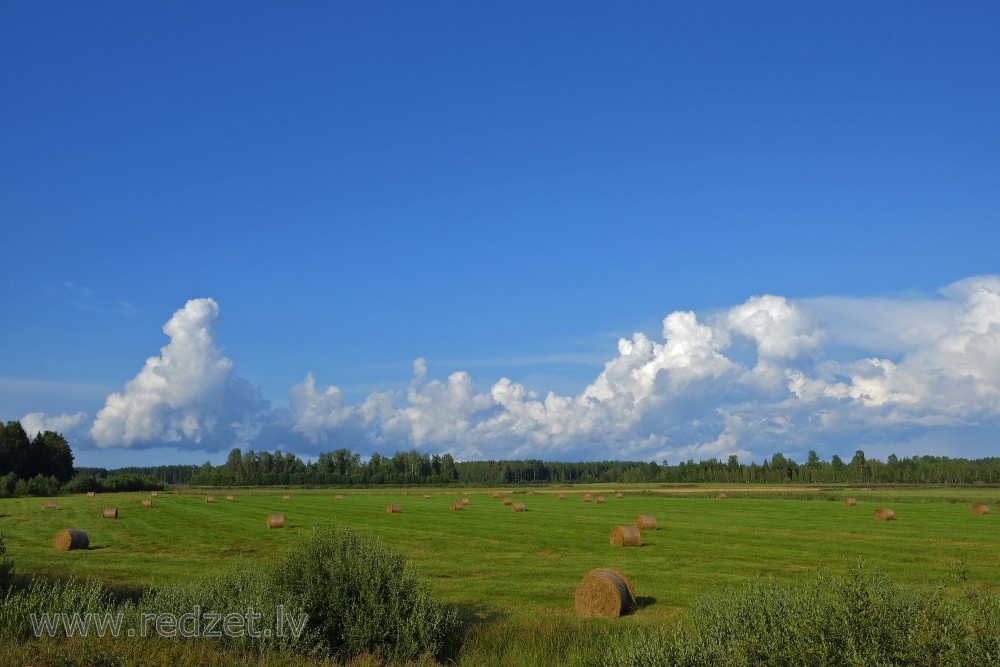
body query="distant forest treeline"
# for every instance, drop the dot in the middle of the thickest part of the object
(343, 467)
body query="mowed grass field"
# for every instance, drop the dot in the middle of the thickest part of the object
(497, 563)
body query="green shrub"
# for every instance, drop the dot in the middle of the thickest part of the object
(858, 620)
(362, 597)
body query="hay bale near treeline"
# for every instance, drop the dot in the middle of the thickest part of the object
(465, 501)
(506, 501)
(884, 514)
(980, 509)
(560, 496)
(338, 497)
(50, 504)
(455, 507)
(69, 538)
(645, 522)
(604, 593)
(90, 494)
(393, 508)
(275, 521)
(110, 512)
(626, 536)
(850, 502)
(599, 500)
(147, 502)
(286, 497)
(427, 496)
(230, 499)
(154, 494)
(721, 496)
(209, 499)
(586, 498)
(618, 494)
(518, 507)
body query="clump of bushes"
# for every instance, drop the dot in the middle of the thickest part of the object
(826, 620)
(362, 598)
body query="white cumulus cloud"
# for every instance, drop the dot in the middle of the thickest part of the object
(190, 393)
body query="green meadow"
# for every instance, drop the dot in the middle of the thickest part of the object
(514, 571)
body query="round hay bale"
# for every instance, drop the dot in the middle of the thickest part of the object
(884, 514)
(518, 507)
(531, 493)
(275, 521)
(177, 493)
(154, 494)
(645, 522)
(618, 494)
(110, 512)
(393, 508)
(68, 539)
(586, 498)
(560, 496)
(604, 593)
(338, 497)
(626, 536)
(209, 499)
(50, 505)
(230, 499)
(90, 494)
(506, 501)
(599, 500)
(465, 501)
(146, 502)
(850, 502)
(980, 509)
(455, 507)
(427, 497)
(721, 496)
(286, 497)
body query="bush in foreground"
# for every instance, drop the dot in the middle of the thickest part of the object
(858, 620)
(363, 598)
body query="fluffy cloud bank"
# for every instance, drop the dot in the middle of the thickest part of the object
(766, 375)
(189, 393)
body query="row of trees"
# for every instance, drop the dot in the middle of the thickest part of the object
(343, 467)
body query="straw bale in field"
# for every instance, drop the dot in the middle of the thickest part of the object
(154, 494)
(393, 508)
(980, 509)
(626, 536)
(604, 593)
(338, 497)
(286, 497)
(110, 512)
(599, 500)
(209, 499)
(850, 502)
(560, 496)
(275, 521)
(506, 501)
(230, 499)
(645, 522)
(721, 496)
(146, 502)
(90, 494)
(586, 498)
(618, 494)
(69, 538)
(50, 505)
(457, 506)
(427, 497)
(518, 507)
(884, 514)
(465, 501)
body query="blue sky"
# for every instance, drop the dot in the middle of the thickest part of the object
(430, 225)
